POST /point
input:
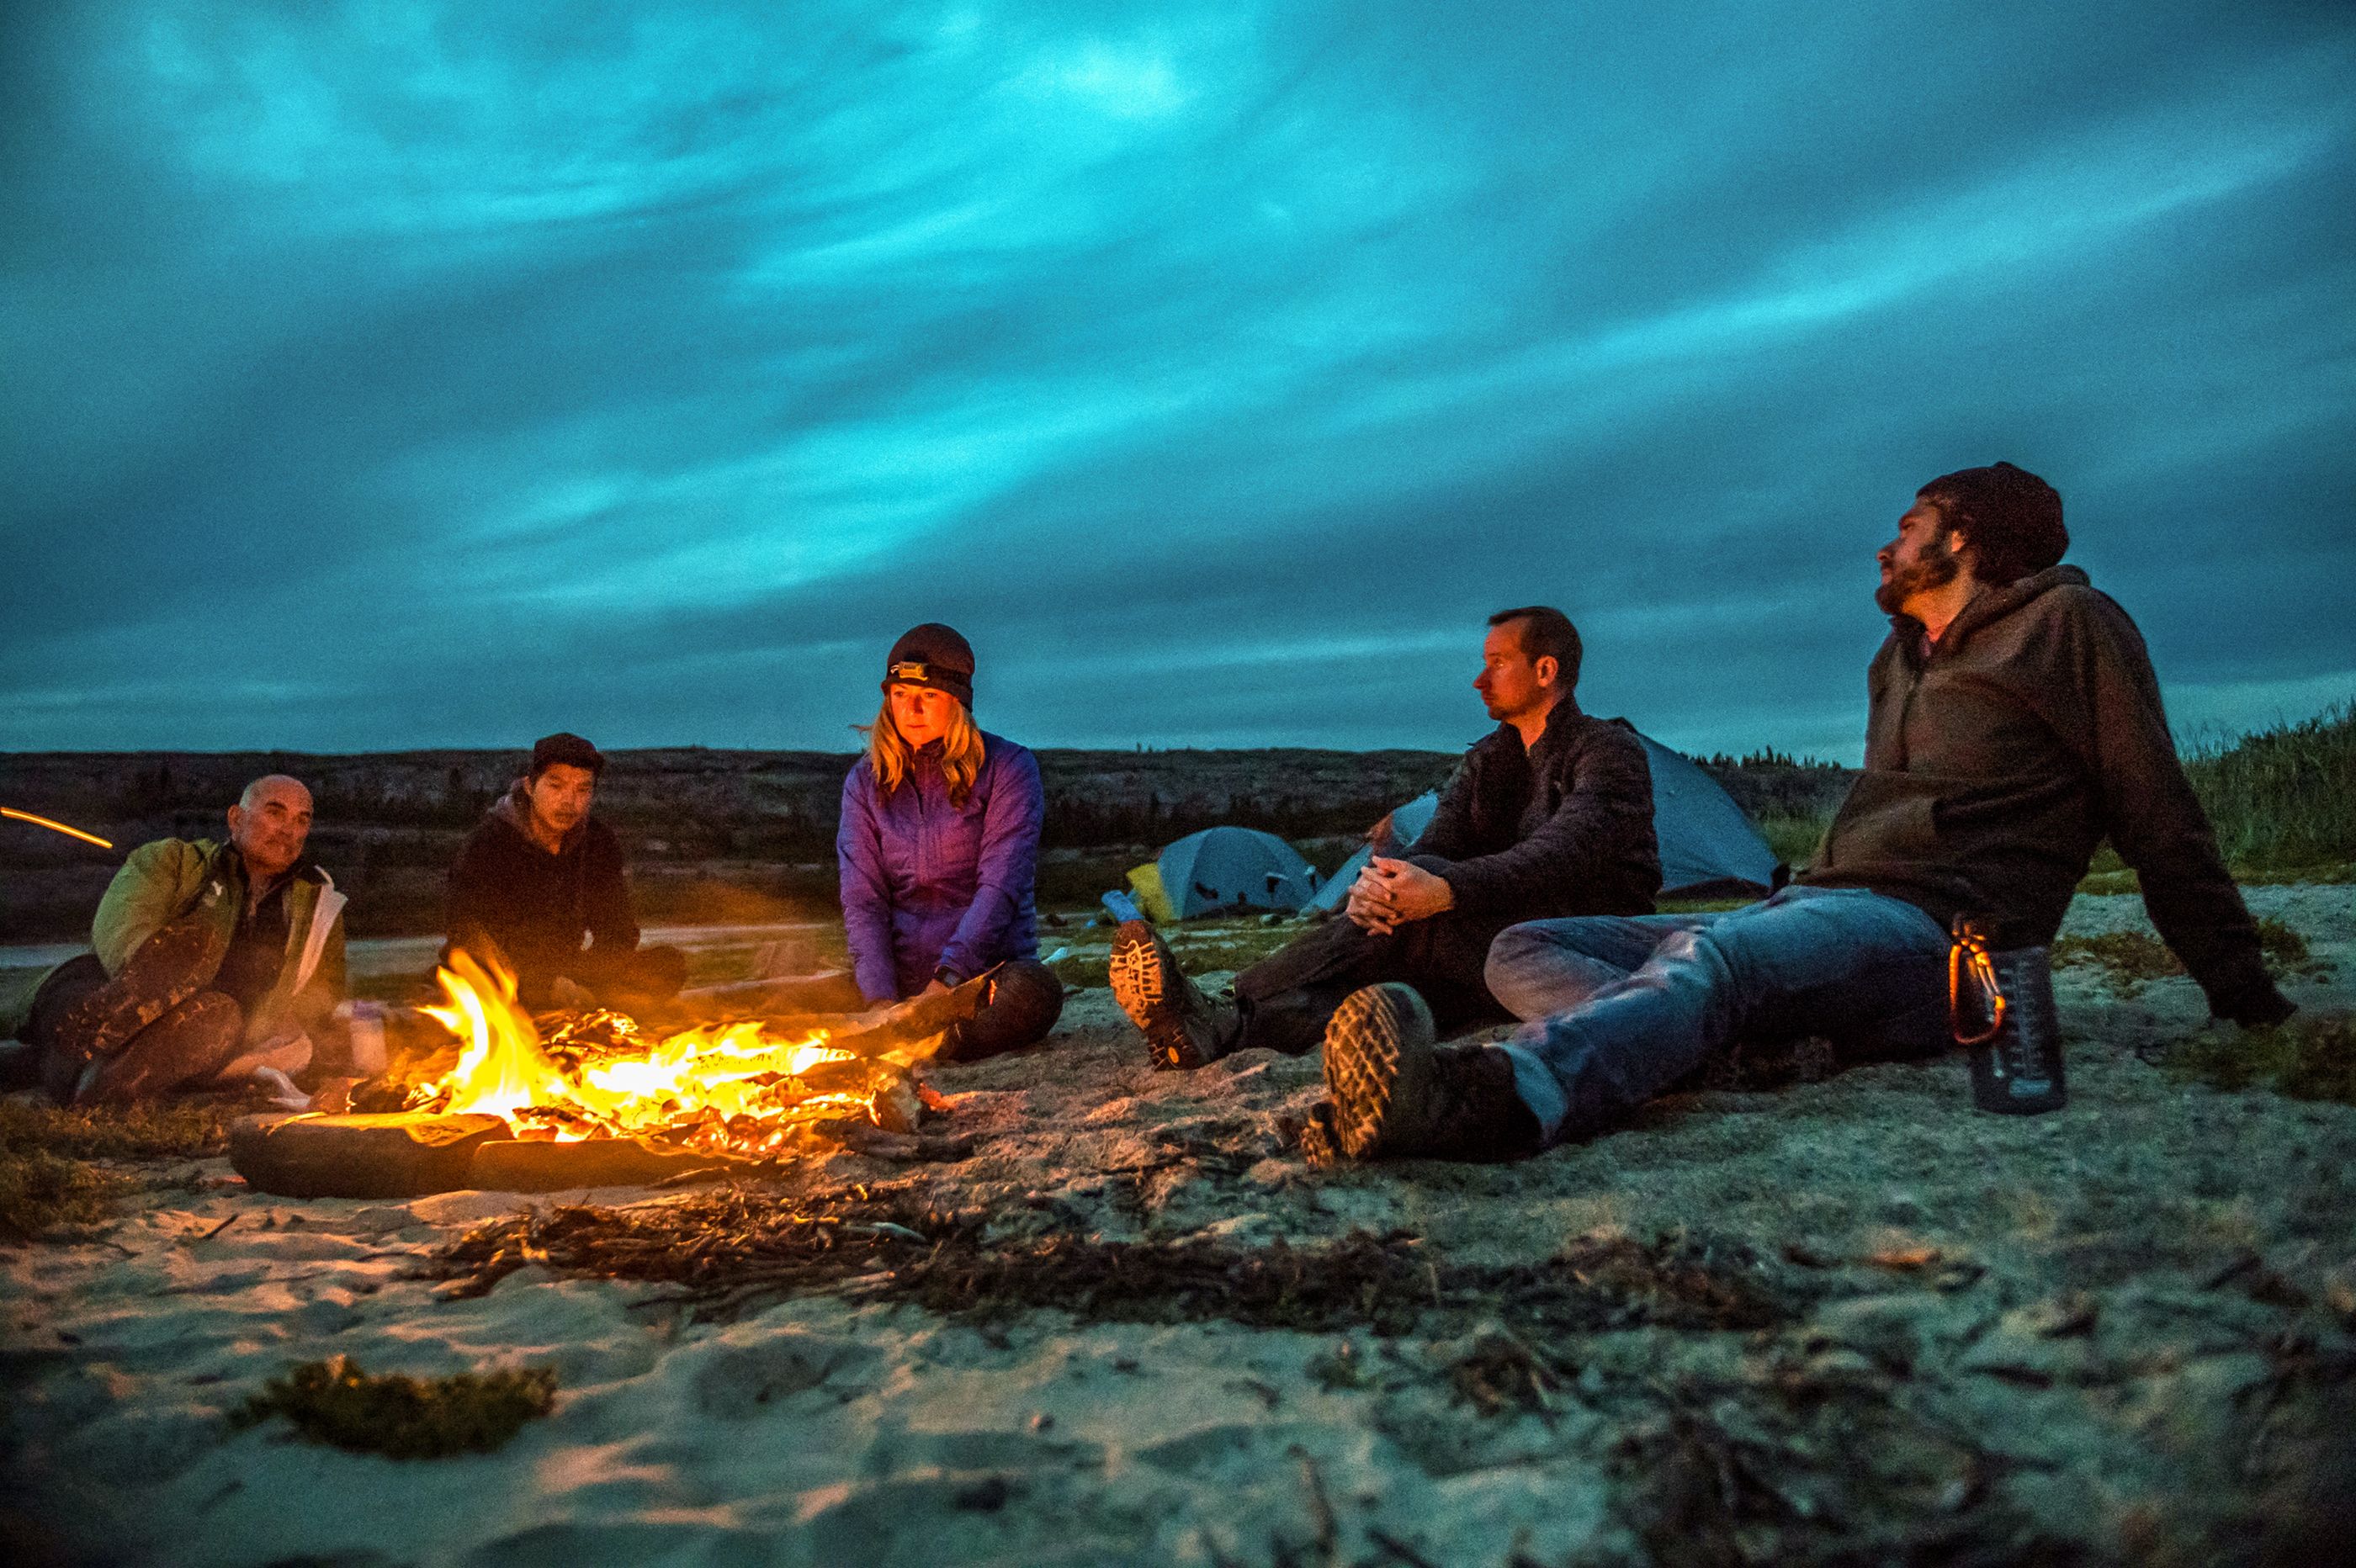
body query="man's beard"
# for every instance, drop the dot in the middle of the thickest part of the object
(1931, 572)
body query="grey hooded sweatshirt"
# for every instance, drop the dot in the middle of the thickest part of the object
(1998, 758)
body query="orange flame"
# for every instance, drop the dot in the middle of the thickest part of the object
(737, 1084)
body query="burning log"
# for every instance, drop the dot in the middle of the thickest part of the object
(401, 1155)
(599, 1101)
(911, 1030)
(506, 1165)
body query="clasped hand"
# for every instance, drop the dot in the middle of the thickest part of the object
(1389, 894)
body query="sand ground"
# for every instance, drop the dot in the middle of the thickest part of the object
(2118, 1333)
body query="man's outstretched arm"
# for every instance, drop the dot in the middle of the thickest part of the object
(2157, 825)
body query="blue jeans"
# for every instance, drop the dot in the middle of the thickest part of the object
(1621, 1006)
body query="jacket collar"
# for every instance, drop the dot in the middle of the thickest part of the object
(1987, 607)
(1564, 717)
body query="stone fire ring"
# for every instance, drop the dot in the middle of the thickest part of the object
(410, 1154)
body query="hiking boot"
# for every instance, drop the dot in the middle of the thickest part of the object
(1183, 1028)
(1398, 1092)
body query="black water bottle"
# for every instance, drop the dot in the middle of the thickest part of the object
(2000, 1004)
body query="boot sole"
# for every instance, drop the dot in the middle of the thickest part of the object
(1137, 980)
(1378, 1069)
(1141, 983)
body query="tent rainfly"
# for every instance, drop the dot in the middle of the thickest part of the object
(1407, 823)
(1223, 869)
(1709, 848)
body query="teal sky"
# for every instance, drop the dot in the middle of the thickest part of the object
(387, 376)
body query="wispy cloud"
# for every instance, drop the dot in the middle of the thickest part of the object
(390, 375)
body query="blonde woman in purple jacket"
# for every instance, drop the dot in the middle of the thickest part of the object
(939, 852)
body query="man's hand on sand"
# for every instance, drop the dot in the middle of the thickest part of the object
(1389, 894)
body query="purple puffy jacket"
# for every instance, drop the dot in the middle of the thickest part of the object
(927, 885)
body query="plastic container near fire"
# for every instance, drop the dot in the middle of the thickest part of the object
(364, 1024)
(2000, 1004)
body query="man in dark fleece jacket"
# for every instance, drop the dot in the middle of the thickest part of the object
(541, 874)
(1550, 814)
(2015, 723)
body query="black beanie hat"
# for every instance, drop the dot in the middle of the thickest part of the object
(567, 748)
(932, 655)
(2009, 515)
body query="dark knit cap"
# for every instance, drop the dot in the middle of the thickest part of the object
(932, 655)
(566, 748)
(2011, 516)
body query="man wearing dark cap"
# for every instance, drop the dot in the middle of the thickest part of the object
(2015, 723)
(540, 876)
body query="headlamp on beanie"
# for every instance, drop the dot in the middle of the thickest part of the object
(931, 655)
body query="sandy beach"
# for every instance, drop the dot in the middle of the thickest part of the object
(2118, 1333)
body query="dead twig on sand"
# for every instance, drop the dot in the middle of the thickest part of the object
(865, 1138)
(1321, 1509)
(1502, 1372)
(1398, 1548)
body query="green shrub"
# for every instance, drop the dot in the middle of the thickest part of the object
(1794, 839)
(2280, 799)
(335, 1403)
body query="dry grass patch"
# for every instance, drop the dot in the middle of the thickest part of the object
(728, 1249)
(2305, 1059)
(2129, 959)
(1213, 946)
(186, 1129)
(42, 1193)
(46, 1183)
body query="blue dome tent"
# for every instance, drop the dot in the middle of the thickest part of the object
(1223, 868)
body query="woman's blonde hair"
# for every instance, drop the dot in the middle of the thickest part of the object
(892, 759)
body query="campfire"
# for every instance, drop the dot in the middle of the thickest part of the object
(595, 1098)
(734, 1089)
